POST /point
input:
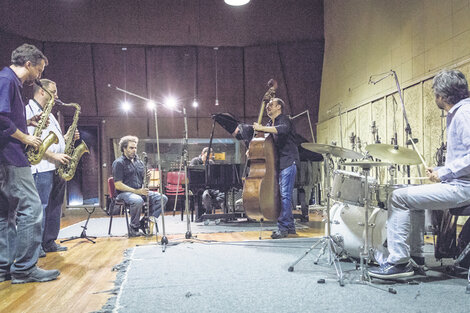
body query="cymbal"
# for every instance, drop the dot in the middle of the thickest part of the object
(366, 164)
(333, 150)
(394, 154)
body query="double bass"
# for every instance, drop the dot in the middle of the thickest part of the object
(261, 196)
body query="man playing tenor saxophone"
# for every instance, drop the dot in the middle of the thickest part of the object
(50, 186)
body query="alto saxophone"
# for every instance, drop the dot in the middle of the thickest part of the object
(67, 171)
(35, 155)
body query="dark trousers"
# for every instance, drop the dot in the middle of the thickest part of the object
(51, 189)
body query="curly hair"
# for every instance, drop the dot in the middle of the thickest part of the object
(124, 142)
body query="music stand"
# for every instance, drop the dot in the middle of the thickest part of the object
(90, 209)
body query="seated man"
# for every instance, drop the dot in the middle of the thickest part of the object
(128, 173)
(211, 199)
(405, 224)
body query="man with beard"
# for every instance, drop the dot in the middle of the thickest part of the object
(128, 173)
(405, 224)
(20, 207)
(288, 155)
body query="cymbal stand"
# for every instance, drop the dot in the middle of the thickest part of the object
(364, 256)
(327, 243)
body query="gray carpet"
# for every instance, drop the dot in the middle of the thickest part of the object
(253, 277)
(173, 225)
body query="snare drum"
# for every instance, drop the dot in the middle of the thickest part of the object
(348, 229)
(349, 187)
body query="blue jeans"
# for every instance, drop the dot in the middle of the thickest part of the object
(20, 220)
(43, 183)
(285, 222)
(405, 223)
(51, 189)
(136, 202)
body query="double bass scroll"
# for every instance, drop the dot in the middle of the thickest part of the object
(261, 196)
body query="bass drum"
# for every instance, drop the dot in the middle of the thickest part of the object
(348, 230)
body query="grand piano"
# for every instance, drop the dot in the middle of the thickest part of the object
(224, 177)
(227, 177)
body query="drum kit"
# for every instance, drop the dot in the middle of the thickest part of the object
(355, 224)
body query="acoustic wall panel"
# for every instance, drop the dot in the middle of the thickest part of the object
(124, 67)
(71, 67)
(230, 87)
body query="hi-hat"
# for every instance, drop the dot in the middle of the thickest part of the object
(333, 150)
(394, 154)
(366, 164)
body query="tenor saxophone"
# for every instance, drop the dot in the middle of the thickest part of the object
(67, 171)
(35, 155)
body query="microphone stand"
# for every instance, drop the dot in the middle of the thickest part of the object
(188, 234)
(309, 122)
(164, 240)
(407, 127)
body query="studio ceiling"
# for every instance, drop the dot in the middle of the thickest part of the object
(164, 22)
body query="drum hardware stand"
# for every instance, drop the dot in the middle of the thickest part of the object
(365, 254)
(327, 243)
(90, 210)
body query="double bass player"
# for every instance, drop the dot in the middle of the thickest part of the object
(283, 132)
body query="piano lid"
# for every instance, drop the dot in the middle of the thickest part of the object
(230, 123)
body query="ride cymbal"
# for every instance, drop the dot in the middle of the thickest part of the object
(394, 154)
(333, 150)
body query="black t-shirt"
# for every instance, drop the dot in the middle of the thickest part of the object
(129, 173)
(284, 142)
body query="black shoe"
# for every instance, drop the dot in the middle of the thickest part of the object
(42, 254)
(391, 271)
(133, 232)
(419, 260)
(292, 232)
(418, 265)
(37, 275)
(143, 225)
(279, 234)
(53, 247)
(5, 277)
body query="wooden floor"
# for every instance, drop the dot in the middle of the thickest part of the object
(86, 269)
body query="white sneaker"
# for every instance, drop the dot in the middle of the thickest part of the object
(152, 222)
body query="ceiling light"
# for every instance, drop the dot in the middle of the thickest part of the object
(236, 2)
(126, 106)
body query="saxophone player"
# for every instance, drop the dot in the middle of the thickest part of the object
(50, 186)
(20, 206)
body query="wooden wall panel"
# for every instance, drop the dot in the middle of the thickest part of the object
(432, 127)
(379, 115)
(364, 126)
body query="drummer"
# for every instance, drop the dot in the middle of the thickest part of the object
(405, 224)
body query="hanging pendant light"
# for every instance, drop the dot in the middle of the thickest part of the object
(236, 2)
(216, 77)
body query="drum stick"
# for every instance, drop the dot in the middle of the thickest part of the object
(419, 154)
(412, 178)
